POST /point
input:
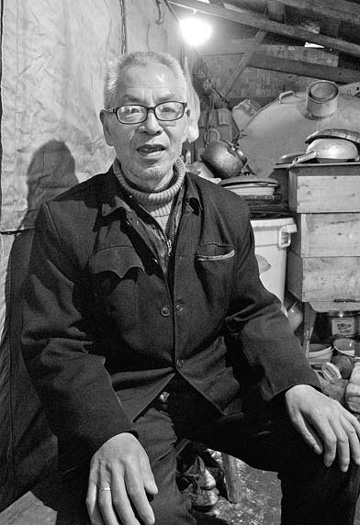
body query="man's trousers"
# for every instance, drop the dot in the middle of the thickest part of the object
(261, 436)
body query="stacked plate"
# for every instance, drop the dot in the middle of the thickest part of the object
(250, 185)
(320, 353)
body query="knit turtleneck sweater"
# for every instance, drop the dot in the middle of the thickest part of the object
(157, 204)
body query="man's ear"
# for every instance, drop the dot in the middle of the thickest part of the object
(187, 127)
(106, 128)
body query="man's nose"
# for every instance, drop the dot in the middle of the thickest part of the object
(151, 124)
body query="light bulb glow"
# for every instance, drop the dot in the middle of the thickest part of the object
(195, 31)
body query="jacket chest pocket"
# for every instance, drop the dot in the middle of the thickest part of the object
(215, 267)
(114, 274)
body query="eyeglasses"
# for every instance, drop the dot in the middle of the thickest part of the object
(135, 113)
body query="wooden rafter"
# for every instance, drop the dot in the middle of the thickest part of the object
(288, 66)
(343, 11)
(243, 62)
(261, 22)
(306, 69)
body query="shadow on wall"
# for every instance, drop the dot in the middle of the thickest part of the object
(27, 447)
(51, 172)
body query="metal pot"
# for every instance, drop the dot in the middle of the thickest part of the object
(330, 150)
(224, 159)
(282, 126)
(321, 99)
(335, 133)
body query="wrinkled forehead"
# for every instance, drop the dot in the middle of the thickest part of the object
(154, 81)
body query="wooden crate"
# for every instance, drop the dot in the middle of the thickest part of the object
(321, 188)
(327, 235)
(323, 278)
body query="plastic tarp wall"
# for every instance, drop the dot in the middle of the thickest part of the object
(151, 26)
(54, 57)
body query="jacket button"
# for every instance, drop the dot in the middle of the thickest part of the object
(165, 311)
(179, 363)
(179, 307)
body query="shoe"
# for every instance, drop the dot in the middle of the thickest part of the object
(198, 473)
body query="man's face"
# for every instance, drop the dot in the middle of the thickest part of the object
(147, 151)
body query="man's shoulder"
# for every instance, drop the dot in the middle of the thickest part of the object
(211, 192)
(88, 188)
(84, 198)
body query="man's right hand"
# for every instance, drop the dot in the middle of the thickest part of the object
(121, 467)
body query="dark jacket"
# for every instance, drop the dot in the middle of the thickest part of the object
(104, 331)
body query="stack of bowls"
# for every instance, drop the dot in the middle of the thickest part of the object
(320, 353)
(347, 346)
(345, 351)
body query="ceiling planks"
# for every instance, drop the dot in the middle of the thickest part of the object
(306, 69)
(243, 62)
(261, 22)
(343, 11)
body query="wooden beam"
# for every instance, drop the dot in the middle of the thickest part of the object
(259, 5)
(241, 46)
(232, 47)
(306, 69)
(243, 62)
(261, 22)
(343, 11)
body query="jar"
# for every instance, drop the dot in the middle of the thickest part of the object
(345, 324)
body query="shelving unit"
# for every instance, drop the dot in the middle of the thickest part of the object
(323, 268)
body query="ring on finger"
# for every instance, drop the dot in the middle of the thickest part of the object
(104, 489)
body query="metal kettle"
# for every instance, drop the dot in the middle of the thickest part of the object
(223, 158)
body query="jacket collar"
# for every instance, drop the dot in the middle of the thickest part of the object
(114, 197)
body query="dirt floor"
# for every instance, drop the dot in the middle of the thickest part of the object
(259, 491)
(259, 501)
(259, 505)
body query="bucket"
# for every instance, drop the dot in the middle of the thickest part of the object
(272, 238)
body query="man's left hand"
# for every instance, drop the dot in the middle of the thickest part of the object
(325, 425)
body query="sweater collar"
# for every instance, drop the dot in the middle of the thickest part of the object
(114, 196)
(155, 198)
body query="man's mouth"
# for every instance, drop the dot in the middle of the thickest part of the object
(148, 149)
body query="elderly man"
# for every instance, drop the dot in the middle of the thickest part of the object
(145, 322)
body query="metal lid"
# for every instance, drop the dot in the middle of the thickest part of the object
(249, 180)
(339, 133)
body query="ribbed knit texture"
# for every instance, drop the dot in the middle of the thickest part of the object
(158, 204)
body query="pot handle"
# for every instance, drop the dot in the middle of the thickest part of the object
(207, 137)
(284, 235)
(285, 94)
(304, 158)
(241, 156)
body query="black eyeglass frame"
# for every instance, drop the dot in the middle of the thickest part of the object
(148, 108)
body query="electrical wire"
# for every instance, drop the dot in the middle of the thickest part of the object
(123, 47)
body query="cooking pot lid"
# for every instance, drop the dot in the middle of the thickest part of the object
(249, 180)
(339, 133)
(288, 158)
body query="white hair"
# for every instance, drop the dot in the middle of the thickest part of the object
(140, 58)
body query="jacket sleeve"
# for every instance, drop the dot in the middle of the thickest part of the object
(58, 348)
(258, 333)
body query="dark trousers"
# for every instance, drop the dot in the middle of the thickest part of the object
(264, 438)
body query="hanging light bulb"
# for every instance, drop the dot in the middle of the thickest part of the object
(195, 31)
